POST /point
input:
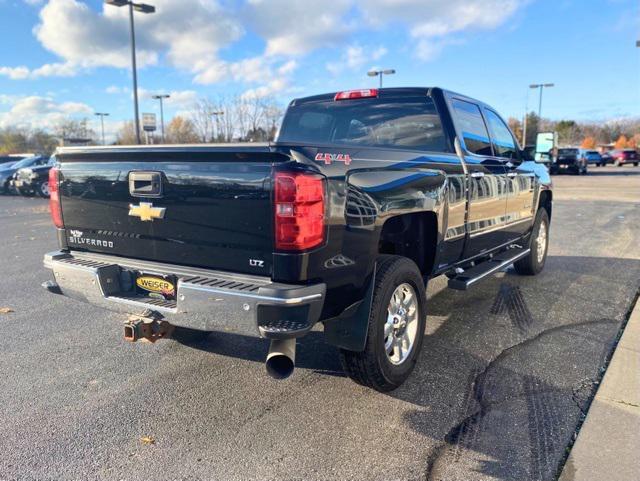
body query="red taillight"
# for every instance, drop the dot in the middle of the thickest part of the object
(54, 198)
(299, 210)
(356, 94)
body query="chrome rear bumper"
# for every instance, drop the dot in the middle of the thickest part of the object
(205, 299)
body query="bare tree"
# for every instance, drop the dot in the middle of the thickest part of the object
(225, 119)
(127, 134)
(201, 116)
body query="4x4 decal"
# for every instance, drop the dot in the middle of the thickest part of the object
(330, 158)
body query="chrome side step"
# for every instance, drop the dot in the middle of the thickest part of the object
(463, 281)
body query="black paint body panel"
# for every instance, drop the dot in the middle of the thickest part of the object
(219, 206)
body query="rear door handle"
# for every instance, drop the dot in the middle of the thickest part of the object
(477, 175)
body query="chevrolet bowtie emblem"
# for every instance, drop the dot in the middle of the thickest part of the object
(146, 211)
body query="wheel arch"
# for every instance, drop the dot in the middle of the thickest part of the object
(411, 235)
(546, 201)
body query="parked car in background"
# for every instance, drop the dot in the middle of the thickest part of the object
(606, 158)
(570, 161)
(30, 181)
(624, 156)
(591, 157)
(8, 160)
(6, 172)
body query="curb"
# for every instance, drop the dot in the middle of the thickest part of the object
(608, 444)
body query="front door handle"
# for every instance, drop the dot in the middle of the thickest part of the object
(477, 175)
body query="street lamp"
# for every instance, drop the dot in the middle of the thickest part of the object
(142, 8)
(160, 97)
(102, 115)
(541, 87)
(380, 73)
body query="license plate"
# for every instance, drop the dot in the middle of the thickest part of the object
(563, 166)
(18, 183)
(157, 286)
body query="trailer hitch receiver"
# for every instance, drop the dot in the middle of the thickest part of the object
(147, 326)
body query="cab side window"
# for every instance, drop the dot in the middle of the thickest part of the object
(472, 127)
(503, 143)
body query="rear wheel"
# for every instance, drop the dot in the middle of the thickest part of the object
(534, 262)
(396, 327)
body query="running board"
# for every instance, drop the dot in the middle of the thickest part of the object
(463, 281)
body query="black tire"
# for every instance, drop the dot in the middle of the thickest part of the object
(531, 265)
(42, 189)
(635, 164)
(372, 367)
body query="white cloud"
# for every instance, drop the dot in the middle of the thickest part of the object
(177, 98)
(64, 69)
(41, 112)
(15, 73)
(268, 90)
(188, 33)
(355, 58)
(114, 89)
(438, 19)
(296, 27)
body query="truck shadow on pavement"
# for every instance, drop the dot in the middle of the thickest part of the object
(507, 369)
(311, 352)
(505, 380)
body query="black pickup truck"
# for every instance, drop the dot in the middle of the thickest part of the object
(364, 196)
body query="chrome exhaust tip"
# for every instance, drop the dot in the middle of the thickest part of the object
(281, 359)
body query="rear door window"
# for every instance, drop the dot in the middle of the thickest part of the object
(472, 127)
(503, 143)
(403, 123)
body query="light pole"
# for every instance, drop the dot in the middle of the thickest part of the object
(541, 87)
(380, 73)
(160, 97)
(102, 115)
(216, 114)
(143, 8)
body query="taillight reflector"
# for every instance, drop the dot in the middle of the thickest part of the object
(54, 198)
(299, 210)
(356, 94)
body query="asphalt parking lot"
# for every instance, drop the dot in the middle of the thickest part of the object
(505, 375)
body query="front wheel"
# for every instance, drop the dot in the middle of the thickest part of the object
(534, 262)
(43, 189)
(396, 327)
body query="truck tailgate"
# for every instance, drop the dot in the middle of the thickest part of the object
(218, 211)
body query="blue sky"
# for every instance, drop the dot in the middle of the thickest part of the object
(70, 58)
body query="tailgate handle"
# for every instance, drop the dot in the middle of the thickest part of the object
(145, 184)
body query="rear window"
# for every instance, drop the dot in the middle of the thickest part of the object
(407, 123)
